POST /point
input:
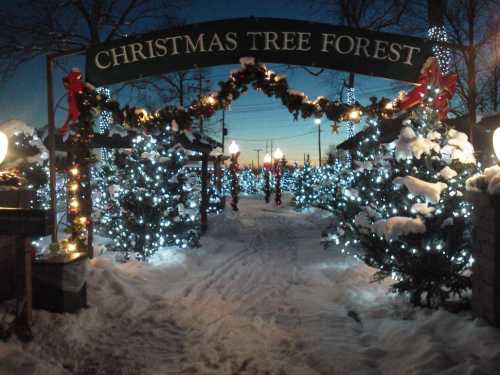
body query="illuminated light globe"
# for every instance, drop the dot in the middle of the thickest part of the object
(317, 121)
(234, 148)
(268, 159)
(278, 154)
(4, 145)
(496, 142)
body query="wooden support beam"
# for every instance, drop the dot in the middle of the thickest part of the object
(204, 193)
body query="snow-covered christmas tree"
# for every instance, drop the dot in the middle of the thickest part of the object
(156, 198)
(248, 182)
(214, 196)
(419, 232)
(305, 191)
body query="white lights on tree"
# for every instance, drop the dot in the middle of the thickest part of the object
(4, 145)
(496, 142)
(278, 154)
(234, 148)
(268, 159)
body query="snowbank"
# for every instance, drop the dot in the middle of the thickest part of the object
(260, 296)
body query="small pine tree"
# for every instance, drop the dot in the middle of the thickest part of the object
(287, 181)
(248, 182)
(29, 157)
(305, 192)
(214, 196)
(156, 200)
(420, 231)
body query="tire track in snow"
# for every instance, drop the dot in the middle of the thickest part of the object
(251, 286)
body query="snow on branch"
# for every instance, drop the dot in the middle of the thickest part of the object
(431, 191)
(488, 181)
(397, 226)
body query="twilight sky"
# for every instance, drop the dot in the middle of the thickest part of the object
(253, 118)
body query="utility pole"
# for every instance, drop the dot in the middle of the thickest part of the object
(318, 122)
(319, 143)
(258, 157)
(200, 93)
(223, 128)
(271, 147)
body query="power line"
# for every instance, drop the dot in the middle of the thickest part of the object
(276, 139)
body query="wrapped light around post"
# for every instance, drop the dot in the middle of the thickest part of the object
(279, 163)
(496, 142)
(4, 146)
(267, 169)
(234, 150)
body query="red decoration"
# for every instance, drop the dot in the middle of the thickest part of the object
(73, 85)
(431, 76)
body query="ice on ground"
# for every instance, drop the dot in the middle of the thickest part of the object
(261, 296)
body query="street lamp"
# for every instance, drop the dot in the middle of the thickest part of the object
(268, 160)
(4, 146)
(234, 150)
(278, 154)
(318, 122)
(496, 142)
(279, 163)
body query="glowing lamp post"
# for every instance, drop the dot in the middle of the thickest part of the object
(234, 150)
(279, 163)
(496, 142)
(268, 160)
(4, 145)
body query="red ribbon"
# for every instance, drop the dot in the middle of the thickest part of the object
(73, 85)
(431, 76)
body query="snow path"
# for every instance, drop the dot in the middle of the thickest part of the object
(260, 296)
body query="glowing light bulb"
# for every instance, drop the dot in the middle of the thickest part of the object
(71, 247)
(74, 171)
(496, 142)
(268, 159)
(4, 146)
(278, 154)
(234, 148)
(354, 115)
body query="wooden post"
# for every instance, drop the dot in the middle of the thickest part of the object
(52, 145)
(218, 180)
(486, 267)
(52, 130)
(204, 192)
(23, 281)
(87, 208)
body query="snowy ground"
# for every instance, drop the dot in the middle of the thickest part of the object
(261, 296)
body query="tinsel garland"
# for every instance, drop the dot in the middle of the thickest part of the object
(261, 79)
(235, 186)
(267, 186)
(278, 170)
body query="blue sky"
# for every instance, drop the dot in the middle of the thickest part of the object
(252, 120)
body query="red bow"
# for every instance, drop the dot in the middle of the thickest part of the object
(73, 85)
(431, 76)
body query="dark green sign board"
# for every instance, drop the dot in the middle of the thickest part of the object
(268, 40)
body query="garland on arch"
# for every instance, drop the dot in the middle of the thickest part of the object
(258, 76)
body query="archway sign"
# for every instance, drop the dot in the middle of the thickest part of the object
(269, 40)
